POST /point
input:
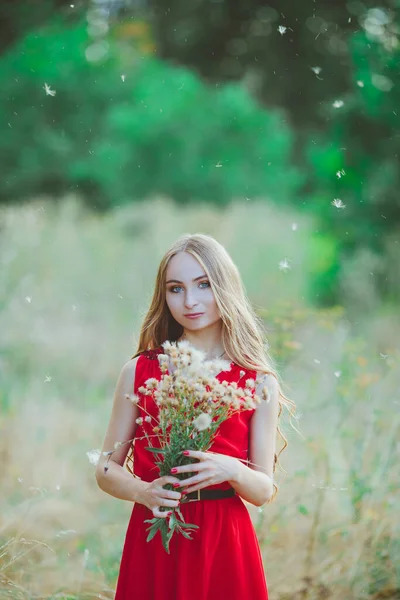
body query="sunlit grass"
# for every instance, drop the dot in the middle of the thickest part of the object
(74, 288)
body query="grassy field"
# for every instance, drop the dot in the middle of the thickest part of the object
(74, 289)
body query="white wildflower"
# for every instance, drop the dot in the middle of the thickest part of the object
(282, 29)
(250, 383)
(132, 397)
(203, 421)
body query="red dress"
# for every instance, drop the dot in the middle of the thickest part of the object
(223, 558)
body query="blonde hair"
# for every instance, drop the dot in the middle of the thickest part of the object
(243, 336)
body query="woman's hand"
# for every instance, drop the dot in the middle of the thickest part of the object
(212, 469)
(154, 495)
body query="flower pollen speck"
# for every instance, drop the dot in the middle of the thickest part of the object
(49, 92)
(284, 265)
(338, 203)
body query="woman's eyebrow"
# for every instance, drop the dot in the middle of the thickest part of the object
(177, 280)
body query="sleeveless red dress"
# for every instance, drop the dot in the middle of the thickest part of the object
(223, 558)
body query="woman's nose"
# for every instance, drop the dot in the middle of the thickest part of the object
(190, 300)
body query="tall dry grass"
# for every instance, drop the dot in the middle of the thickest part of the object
(74, 288)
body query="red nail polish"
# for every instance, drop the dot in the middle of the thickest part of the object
(176, 484)
(186, 452)
(174, 470)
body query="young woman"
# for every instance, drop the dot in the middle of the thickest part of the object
(199, 297)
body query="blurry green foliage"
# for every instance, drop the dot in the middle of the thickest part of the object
(158, 129)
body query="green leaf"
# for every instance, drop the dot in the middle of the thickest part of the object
(152, 520)
(186, 534)
(156, 450)
(153, 530)
(189, 526)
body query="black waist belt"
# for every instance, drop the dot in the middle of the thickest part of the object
(208, 495)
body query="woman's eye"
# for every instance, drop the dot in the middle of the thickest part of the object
(177, 287)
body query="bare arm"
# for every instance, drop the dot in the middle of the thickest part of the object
(255, 483)
(122, 427)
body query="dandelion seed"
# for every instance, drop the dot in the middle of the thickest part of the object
(28, 299)
(284, 265)
(20, 480)
(340, 173)
(338, 104)
(282, 29)
(47, 378)
(219, 164)
(338, 373)
(123, 77)
(294, 226)
(338, 203)
(93, 456)
(383, 355)
(58, 488)
(65, 532)
(318, 362)
(49, 92)
(317, 70)
(360, 83)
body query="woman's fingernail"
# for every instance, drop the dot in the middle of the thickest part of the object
(185, 452)
(177, 484)
(174, 470)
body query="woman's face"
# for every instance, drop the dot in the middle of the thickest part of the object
(188, 291)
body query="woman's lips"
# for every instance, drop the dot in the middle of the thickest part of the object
(194, 316)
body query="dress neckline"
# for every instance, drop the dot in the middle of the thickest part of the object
(153, 354)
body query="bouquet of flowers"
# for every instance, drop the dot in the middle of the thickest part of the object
(192, 404)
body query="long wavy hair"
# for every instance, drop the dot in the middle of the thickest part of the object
(243, 335)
